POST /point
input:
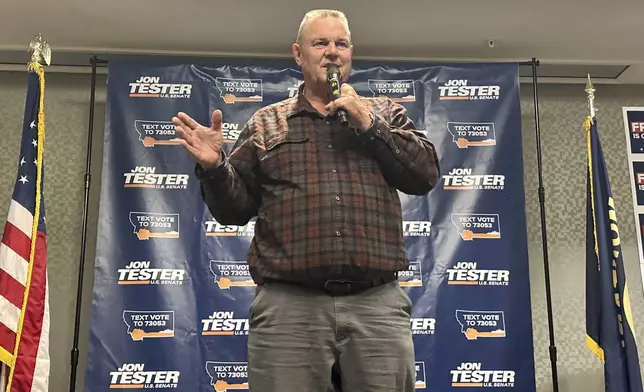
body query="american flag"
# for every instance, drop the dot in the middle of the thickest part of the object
(24, 299)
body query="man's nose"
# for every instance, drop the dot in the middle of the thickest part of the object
(331, 50)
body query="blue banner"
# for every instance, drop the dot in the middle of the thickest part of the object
(171, 285)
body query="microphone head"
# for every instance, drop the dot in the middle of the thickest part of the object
(333, 73)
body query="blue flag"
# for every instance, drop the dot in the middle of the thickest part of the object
(609, 322)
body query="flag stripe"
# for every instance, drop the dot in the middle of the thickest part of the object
(11, 290)
(9, 315)
(14, 265)
(32, 326)
(7, 338)
(41, 372)
(15, 239)
(20, 217)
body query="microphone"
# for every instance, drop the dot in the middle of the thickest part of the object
(333, 77)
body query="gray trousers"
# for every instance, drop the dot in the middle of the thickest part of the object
(296, 336)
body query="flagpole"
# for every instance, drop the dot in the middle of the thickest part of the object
(552, 349)
(81, 264)
(590, 90)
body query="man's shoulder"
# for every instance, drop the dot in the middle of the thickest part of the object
(270, 120)
(380, 104)
(274, 110)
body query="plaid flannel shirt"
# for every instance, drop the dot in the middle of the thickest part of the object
(325, 196)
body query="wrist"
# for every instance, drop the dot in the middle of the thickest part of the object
(367, 123)
(211, 165)
(209, 170)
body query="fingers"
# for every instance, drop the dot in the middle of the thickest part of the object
(181, 129)
(339, 103)
(184, 124)
(347, 90)
(359, 115)
(188, 121)
(178, 123)
(183, 132)
(194, 137)
(348, 94)
(331, 107)
(216, 120)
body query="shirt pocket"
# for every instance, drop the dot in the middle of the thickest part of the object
(287, 158)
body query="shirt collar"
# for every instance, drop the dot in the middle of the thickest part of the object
(299, 104)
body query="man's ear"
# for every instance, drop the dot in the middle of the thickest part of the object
(297, 54)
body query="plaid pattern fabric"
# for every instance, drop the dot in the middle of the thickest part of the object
(325, 196)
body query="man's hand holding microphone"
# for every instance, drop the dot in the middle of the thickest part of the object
(346, 102)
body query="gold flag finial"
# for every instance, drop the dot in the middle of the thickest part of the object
(40, 50)
(590, 91)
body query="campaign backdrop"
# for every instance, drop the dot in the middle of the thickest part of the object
(172, 289)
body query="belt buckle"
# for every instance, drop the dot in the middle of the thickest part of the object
(343, 286)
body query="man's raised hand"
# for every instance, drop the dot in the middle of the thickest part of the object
(204, 144)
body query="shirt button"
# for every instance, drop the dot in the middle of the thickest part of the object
(330, 145)
(337, 233)
(337, 198)
(397, 151)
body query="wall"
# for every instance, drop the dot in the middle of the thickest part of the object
(562, 109)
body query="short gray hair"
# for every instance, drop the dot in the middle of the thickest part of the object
(322, 13)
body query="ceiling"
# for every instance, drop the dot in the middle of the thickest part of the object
(570, 38)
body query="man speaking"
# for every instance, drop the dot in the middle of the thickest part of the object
(328, 237)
